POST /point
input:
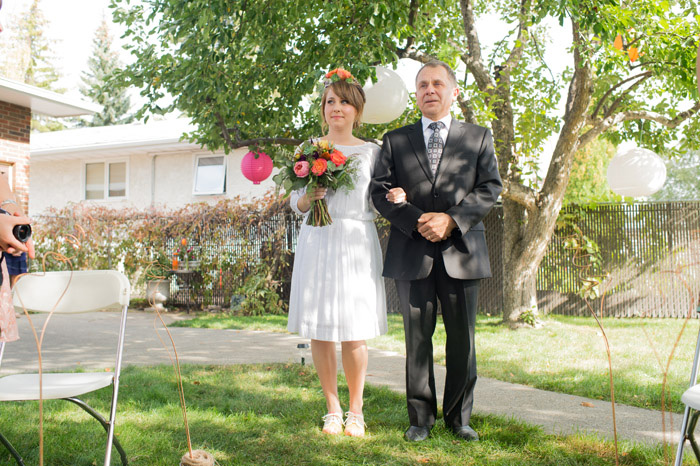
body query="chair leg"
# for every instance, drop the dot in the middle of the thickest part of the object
(691, 434)
(88, 409)
(12, 450)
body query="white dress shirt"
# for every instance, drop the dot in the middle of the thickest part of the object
(427, 132)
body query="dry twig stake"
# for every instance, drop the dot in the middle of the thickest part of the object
(192, 457)
(39, 340)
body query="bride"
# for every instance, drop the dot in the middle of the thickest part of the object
(337, 292)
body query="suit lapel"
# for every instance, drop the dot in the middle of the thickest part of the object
(415, 135)
(452, 145)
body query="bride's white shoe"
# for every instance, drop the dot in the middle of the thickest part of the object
(332, 423)
(354, 424)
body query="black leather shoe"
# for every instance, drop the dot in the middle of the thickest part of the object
(417, 433)
(466, 433)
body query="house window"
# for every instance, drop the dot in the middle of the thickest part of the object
(105, 180)
(6, 172)
(210, 175)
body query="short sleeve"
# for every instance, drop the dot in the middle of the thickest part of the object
(294, 200)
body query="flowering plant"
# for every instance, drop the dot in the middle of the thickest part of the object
(316, 163)
(183, 254)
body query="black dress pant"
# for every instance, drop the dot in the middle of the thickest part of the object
(418, 304)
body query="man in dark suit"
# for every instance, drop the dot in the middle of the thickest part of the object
(435, 181)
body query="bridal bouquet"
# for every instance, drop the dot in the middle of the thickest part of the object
(316, 163)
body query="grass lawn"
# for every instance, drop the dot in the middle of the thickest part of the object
(566, 355)
(270, 415)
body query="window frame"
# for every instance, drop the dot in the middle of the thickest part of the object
(105, 188)
(209, 155)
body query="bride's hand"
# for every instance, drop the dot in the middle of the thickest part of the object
(316, 193)
(304, 202)
(396, 195)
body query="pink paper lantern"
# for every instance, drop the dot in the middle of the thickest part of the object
(256, 166)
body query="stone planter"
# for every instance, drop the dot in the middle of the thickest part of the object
(157, 293)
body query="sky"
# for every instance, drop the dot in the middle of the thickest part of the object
(72, 26)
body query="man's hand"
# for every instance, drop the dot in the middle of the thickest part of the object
(435, 226)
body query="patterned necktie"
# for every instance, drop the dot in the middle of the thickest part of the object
(435, 145)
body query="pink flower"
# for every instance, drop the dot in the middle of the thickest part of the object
(301, 169)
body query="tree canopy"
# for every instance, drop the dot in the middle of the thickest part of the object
(242, 70)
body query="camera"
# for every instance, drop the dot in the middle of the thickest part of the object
(21, 232)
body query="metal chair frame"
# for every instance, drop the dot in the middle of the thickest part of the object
(107, 425)
(690, 421)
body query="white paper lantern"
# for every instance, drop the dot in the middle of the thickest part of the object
(386, 99)
(636, 172)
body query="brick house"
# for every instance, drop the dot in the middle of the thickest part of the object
(17, 103)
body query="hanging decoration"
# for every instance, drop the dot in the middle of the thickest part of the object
(636, 172)
(633, 53)
(256, 166)
(618, 42)
(386, 99)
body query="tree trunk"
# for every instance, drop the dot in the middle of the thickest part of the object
(519, 294)
(528, 227)
(525, 239)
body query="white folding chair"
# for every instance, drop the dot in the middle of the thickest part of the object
(691, 398)
(70, 292)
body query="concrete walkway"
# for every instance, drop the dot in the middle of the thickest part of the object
(556, 413)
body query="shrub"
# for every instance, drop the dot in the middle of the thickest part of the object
(229, 239)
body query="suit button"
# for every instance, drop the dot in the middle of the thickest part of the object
(436, 194)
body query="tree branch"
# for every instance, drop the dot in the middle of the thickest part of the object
(276, 141)
(419, 56)
(604, 124)
(612, 89)
(412, 13)
(225, 131)
(516, 53)
(466, 108)
(616, 103)
(519, 193)
(472, 58)
(578, 101)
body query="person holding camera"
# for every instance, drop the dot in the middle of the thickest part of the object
(10, 243)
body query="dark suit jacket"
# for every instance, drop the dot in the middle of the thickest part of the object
(466, 186)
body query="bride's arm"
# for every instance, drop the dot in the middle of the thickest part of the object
(300, 200)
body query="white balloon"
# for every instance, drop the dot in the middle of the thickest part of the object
(386, 99)
(636, 172)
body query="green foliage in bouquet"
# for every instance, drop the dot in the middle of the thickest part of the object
(316, 163)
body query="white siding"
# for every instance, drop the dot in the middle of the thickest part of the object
(56, 183)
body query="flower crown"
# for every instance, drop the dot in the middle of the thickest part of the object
(339, 74)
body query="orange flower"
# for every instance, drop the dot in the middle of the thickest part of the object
(184, 242)
(338, 158)
(342, 74)
(319, 167)
(633, 54)
(325, 155)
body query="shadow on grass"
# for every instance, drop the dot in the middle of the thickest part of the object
(270, 415)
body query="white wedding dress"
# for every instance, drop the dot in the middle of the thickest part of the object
(337, 291)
